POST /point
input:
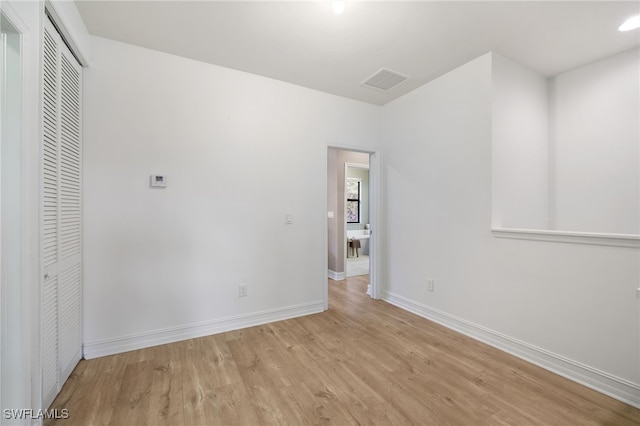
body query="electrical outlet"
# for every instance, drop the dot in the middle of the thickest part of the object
(242, 290)
(431, 285)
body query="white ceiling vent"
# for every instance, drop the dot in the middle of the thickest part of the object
(384, 79)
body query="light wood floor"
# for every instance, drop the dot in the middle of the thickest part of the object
(361, 362)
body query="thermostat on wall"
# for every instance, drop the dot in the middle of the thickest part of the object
(158, 181)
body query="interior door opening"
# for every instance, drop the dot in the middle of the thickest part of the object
(351, 216)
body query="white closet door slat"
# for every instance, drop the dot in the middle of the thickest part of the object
(69, 320)
(70, 178)
(61, 214)
(50, 384)
(50, 152)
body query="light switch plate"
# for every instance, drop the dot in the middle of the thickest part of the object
(158, 181)
(288, 219)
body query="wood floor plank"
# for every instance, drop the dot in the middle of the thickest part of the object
(134, 396)
(166, 405)
(362, 362)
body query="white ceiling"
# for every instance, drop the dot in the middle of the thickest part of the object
(305, 43)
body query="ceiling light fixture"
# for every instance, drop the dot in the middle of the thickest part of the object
(338, 6)
(630, 24)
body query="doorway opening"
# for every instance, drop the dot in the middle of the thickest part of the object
(351, 239)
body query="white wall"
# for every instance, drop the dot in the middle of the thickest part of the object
(560, 305)
(520, 156)
(239, 151)
(596, 146)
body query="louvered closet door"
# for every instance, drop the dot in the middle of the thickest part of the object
(61, 214)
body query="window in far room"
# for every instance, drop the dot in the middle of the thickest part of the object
(353, 200)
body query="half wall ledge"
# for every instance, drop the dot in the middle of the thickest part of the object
(591, 238)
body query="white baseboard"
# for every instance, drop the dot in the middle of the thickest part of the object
(593, 378)
(337, 276)
(117, 345)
